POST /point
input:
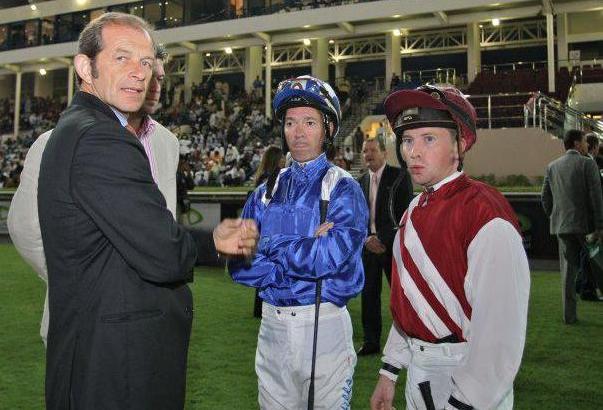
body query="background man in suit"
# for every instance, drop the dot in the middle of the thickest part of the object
(118, 263)
(587, 283)
(378, 184)
(161, 147)
(571, 198)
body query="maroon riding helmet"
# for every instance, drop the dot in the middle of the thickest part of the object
(431, 106)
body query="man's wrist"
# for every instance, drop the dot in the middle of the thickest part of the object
(389, 371)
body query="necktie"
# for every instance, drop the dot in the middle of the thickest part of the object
(373, 201)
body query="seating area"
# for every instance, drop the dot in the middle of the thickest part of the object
(509, 90)
(222, 130)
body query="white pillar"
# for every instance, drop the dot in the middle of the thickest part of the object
(393, 65)
(562, 48)
(70, 83)
(320, 59)
(17, 103)
(268, 78)
(193, 74)
(474, 54)
(550, 48)
(253, 66)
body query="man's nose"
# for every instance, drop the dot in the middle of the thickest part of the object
(153, 85)
(138, 71)
(415, 151)
(298, 130)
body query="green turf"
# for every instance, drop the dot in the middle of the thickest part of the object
(561, 367)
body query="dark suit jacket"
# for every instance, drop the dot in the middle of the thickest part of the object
(571, 195)
(386, 227)
(118, 263)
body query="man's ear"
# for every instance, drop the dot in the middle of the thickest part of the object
(83, 67)
(462, 145)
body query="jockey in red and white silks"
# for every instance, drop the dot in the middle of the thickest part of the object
(460, 275)
(449, 285)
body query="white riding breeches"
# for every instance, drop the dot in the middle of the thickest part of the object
(429, 376)
(283, 360)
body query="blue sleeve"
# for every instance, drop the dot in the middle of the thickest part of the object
(308, 258)
(258, 272)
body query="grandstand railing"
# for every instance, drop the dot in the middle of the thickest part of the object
(555, 117)
(438, 75)
(518, 65)
(499, 110)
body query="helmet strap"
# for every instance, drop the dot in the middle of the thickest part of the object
(327, 125)
(458, 149)
(285, 147)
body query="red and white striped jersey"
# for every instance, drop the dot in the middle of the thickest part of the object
(429, 298)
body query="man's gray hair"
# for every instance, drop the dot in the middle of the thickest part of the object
(161, 52)
(90, 42)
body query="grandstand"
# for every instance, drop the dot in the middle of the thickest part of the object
(228, 56)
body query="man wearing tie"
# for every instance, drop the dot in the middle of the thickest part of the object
(380, 183)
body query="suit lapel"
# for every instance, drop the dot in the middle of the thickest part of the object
(382, 189)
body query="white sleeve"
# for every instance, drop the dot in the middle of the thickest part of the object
(23, 222)
(396, 354)
(497, 286)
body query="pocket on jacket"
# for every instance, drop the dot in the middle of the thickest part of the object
(130, 316)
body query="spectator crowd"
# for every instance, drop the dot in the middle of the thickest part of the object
(223, 130)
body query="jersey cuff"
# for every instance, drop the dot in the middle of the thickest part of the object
(389, 371)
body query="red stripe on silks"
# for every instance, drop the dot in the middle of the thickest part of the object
(403, 312)
(429, 296)
(446, 245)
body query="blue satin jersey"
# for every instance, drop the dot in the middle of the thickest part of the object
(289, 257)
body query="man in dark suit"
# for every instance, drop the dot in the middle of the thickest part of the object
(587, 283)
(380, 183)
(571, 198)
(118, 263)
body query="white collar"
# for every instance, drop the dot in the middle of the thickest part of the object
(378, 172)
(446, 180)
(123, 118)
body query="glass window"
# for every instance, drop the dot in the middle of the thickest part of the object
(136, 9)
(63, 28)
(47, 30)
(17, 35)
(3, 37)
(80, 20)
(31, 32)
(174, 13)
(153, 12)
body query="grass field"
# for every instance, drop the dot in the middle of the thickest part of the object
(561, 367)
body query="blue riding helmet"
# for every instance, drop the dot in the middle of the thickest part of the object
(307, 91)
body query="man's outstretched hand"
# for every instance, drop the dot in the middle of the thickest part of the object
(236, 237)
